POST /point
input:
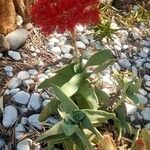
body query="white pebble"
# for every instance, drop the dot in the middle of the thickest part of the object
(66, 48)
(80, 45)
(23, 75)
(1, 55)
(130, 108)
(68, 56)
(55, 50)
(33, 72)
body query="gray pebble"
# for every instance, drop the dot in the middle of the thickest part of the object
(16, 82)
(146, 77)
(146, 114)
(14, 55)
(34, 120)
(147, 65)
(24, 145)
(55, 50)
(2, 143)
(66, 48)
(24, 120)
(10, 115)
(35, 102)
(33, 72)
(21, 97)
(8, 68)
(142, 99)
(124, 63)
(14, 91)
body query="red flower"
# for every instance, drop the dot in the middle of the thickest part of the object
(64, 14)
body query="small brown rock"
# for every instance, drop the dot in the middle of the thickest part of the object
(4, 45)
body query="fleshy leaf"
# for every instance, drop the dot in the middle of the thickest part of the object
(87, 91)
(67, 105)
(63, 75)
(49, 109)
(99, 58)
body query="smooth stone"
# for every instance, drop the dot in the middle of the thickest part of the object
(45, 102)
(56, 50)
(24, 145)
(9, 74)
(147, 65)
(63, 39)
(117, 42)
(51, 44)
(7, 92)
(66, 48)
(17, 38)
(21, 97)
(142, 99)
(54, 40)
(130, 108)
(2, 143)
(8, 68)
(28, 82)
(19, 135)
(147, 126)
(145, 43)
(35, 102)
(138, 63)
(149, 95)
(138, 126)
(146, 114)
(84, 40)
(117, 47)
(80, 28)
(14, 91)
(123, 34)
(23, 75)
(24, 120)
(16, 82)
(146, 77)
(10, 115)
(139, 116)
(125, 47)
(14, 55)
(80, 45)
(142, 92)
(33, 72)
(124, 63)
(52, 120)
(116, 66)
(134, 70)
(113, 25)
(20, 128)
(132, 118)
(34, 120)
(143, 54)
(44, 95)
(68, 56)
(147, 83)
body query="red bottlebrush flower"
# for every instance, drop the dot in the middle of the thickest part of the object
(64, 15)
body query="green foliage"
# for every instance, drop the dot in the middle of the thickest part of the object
(78, 101)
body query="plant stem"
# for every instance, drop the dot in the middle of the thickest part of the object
(77, 54)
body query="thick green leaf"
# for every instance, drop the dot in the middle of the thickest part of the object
(50, 109)
(80, 101)
(71, 87)
(69, 145)
(97, 117)
(102, 96)
(104, 65)
(122, 118)
(84, 139)
(99, 58)
(134, 98)
(55, 131)
(87, 91)
(69, 129)
(63, 75)
(86, 123)
(67, 105)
